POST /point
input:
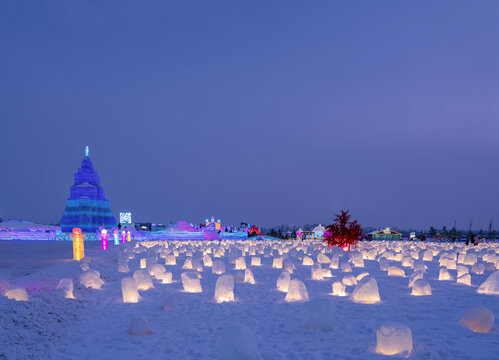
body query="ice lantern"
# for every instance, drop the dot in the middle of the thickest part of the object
(224, 288)
(129, 290)
(394, 339)
(104, 239)
(78, 249)
(191, 282)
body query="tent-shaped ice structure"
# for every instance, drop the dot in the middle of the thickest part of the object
(87, 207)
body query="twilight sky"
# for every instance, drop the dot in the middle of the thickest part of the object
(271, 112)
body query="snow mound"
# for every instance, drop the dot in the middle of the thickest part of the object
(297, 291)
(366, 292)
(394, 339)
(236, 342)
(169, 303)
(479, 319)
(491, 285)
(318, 314)
(139, 327)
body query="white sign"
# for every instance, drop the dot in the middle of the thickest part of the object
(125, 218)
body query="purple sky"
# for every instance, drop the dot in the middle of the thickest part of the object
(271, 112)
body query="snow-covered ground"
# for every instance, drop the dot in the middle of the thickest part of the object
(94, 325)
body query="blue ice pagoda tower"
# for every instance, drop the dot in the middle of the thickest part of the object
(87, 207)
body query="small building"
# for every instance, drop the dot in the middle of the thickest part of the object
(319, 232)
(308, 235)
(385, 234)
(212, 221)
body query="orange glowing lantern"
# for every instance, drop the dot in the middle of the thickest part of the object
(78, 249)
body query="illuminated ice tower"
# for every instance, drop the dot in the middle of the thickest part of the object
(87, 207)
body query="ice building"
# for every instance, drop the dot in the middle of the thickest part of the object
(87, 207)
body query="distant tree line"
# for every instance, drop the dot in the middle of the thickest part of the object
(454, 234)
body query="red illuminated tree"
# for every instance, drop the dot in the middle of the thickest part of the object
(343, 232)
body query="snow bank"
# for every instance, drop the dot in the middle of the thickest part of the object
(66, 287)
(237, 342)
(139, 327)
(318, 314)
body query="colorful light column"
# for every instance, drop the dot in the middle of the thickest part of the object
(129, 236)
(116, 237)
(78, 248)
(123, 237)
(104, 239)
